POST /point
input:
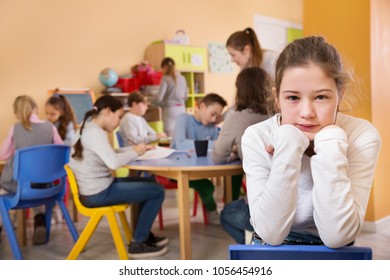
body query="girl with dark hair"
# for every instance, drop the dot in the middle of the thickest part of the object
(60, 113)
(93, 159)
(253, 86)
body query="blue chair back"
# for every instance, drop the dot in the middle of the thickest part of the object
(41, 177)
(298, 252)
(42, 164)
(119, 139)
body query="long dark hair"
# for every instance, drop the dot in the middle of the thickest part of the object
(103, 102)
(60, 103)
(171, 69)
(254, 88)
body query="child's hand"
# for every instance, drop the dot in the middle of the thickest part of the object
(161, 135)
(140, 148)
(150, 147)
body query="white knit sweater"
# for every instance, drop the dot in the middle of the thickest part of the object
(325, 195)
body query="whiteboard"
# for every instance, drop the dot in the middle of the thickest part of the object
(274, 34)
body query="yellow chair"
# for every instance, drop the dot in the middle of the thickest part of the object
(96, 215)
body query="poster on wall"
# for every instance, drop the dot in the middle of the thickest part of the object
(219, 58)
(274, 34)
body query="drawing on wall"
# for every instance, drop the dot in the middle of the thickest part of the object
(274, 33)
(219, 58)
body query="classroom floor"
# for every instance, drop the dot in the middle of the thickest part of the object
(101, 245)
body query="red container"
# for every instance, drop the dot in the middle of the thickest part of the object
(147, 79)
(128, 84)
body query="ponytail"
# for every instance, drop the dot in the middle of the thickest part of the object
(78, 147)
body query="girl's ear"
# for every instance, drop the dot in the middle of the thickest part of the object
(106, 111)
(247, 49)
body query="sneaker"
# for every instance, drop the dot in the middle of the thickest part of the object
(156, 240)
(213, 217)
(144, 250)
(39, 236)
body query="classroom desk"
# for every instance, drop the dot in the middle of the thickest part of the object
(184, 167)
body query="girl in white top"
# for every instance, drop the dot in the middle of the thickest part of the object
(133, 128)
(309, 168)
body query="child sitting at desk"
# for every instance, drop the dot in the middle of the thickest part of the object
(133, 128)
(201, 126)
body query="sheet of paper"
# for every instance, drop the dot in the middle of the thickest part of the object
(159, 152)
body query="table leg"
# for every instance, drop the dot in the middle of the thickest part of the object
(228, 189)
(184, 216)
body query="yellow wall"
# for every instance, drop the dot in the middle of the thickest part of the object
(380, 85)
(348, 25)
(47, 44)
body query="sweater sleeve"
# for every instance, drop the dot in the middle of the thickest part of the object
(180, 140)
(97, 142)
(8, 147)
(342, 175)
(272, 180)
(223, 146)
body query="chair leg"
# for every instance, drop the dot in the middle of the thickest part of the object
(125, 226)
(205, 219)
(68, 220)
(116, 235)
(85, 236)
(10, 232)
(160, 219)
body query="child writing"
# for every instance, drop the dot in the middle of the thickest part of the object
(29, 131)
(92, 160)
(309, 168)
(172, 95)
(60, 113)
(253, 86)
(201, 126)
(133, 128)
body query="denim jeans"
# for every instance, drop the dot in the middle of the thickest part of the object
(145, 191)
(235, 219)
(293, 238)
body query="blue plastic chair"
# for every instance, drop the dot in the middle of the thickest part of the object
(42, 164)
(298, 252)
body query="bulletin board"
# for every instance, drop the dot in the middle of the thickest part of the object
(81, 100)
(219, 58)
(274, 33)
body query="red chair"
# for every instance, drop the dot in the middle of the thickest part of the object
(169, 185)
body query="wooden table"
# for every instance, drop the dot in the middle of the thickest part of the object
(184, 167)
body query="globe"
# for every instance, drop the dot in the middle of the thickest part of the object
(108, 77)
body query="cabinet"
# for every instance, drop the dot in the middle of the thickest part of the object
(190, 61)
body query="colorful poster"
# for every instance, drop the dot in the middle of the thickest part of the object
(219, 58)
